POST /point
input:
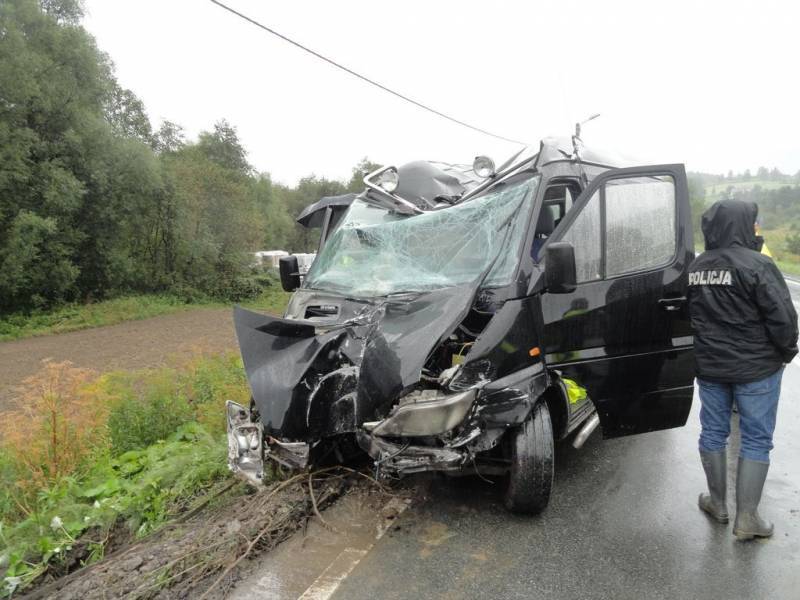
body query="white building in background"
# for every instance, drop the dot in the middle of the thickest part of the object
(304, 262)
(269, 258)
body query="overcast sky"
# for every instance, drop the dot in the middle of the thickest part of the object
(713, 84)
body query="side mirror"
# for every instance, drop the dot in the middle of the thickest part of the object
(290, 273)
(559, 268)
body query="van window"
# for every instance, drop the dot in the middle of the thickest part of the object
(558, 200)
(640, 224)
(584, 235)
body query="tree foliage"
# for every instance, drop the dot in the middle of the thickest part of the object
(95, 202)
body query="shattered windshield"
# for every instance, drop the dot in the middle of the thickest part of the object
(375, 252)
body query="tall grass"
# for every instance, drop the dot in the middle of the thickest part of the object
(81, 454)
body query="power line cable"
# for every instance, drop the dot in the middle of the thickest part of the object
(362, 77)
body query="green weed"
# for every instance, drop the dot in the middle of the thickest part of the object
(141, 489)
(153, 449)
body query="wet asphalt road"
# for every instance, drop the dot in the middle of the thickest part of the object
(622, 523)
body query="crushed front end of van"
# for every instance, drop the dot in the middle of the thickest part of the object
(417, 335)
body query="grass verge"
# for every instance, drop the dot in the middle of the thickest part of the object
(84, 456)
(82, 316)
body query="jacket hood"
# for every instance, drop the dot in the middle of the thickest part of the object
(730, 223)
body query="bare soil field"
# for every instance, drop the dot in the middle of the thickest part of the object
(129, 345)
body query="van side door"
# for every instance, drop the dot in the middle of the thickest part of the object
(624, 333)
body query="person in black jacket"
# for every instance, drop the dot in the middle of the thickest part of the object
(745, 328)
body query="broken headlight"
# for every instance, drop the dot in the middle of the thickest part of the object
(424, 413)
(244, 443)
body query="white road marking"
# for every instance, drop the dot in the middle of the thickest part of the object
(327, 583)
(335, 573)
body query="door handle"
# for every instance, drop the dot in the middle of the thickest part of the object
(672, 304)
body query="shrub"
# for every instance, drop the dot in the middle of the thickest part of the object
(147, 407)
(55, 425)
(142, 488)
(89, 453)
(793, 243)
(208, 381)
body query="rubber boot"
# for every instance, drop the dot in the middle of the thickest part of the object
(749, 483)
(715, 465)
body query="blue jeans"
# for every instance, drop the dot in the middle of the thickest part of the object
(758, 407)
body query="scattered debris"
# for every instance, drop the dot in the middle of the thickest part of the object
(206, 552)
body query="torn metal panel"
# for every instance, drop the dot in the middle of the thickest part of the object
(294, 455)
(301, 374)
(402, 459)
(277, 353)
(509, 343)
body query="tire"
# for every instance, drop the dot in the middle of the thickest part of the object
(530, 479)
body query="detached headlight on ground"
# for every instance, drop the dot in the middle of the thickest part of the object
(425, 413)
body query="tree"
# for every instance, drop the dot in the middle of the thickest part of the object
(697, 202)
(30, 241)
(93, 203)
(223, 147)
(361, 170)
(127, 115)
(169, 138)
(54, 84)
(63, 11)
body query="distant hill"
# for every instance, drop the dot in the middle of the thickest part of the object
(778, 199)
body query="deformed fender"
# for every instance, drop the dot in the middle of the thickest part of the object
(508, 401)
(502, 405)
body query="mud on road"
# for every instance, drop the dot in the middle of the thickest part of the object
(129, 345)
(226, 550)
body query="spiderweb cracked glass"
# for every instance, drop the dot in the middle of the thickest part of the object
(375, 252)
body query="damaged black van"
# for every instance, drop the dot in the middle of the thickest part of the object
(463, 319)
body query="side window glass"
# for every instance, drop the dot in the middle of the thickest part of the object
(584, 235)
(640, 224)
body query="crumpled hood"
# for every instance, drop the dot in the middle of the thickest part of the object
(730, 223)
(310, 379)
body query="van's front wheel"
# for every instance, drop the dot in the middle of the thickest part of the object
(531, 452)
